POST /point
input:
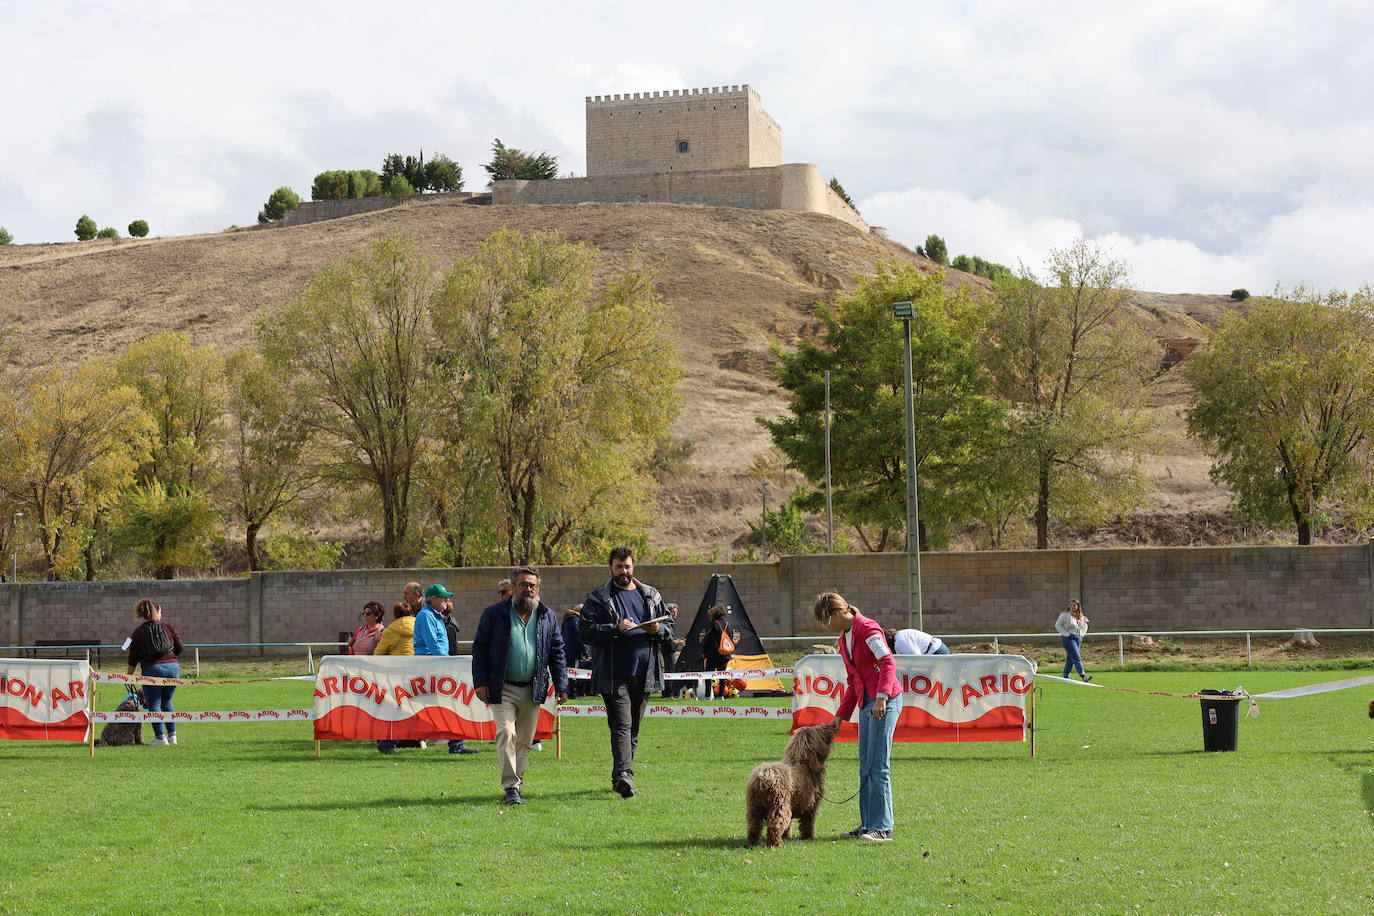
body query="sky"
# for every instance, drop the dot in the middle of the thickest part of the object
(1211, 145)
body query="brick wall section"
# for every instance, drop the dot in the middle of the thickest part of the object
(992, 591)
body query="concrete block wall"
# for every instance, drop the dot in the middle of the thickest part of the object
(313, 211)
(724, 127)
(989, 592)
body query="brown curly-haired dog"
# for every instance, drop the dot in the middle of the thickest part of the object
(118, 734)
(1371, 709)
(792, 788)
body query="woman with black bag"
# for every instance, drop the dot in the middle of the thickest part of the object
(155, 646)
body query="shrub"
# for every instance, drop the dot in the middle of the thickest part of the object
(138, 228)
(1240, 295)
(85, 228)
(397, 186)
(295, 549)
(935, 249)
(109, 232)
(332, 185)
(5, 237)
(278, 203)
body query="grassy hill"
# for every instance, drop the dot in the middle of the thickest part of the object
(738, 280)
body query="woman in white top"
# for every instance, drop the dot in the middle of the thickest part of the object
(915, 642)
(1073, 626)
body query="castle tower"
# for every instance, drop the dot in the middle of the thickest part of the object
(681, 130)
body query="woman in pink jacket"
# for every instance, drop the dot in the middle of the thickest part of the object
(873, 687)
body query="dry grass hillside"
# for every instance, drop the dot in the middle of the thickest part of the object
(738, 280)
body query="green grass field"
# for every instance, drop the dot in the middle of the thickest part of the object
(1120, 811)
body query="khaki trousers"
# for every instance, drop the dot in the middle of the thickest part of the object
(516, 716)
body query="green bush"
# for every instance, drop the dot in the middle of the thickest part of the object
(109, 232)
(294, 549)
(332, 185)
(935, 249)
(1240, 295)
(280, 201)
(138, 228)
(85, 228)
(5, 237)
(397, 186)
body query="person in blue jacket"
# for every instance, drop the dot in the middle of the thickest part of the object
(516, 652)
(431, 638)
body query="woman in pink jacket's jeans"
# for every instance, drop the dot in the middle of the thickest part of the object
(873, 687)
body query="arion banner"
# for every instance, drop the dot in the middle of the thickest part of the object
(44, 700)
(404, 697)
(944, 697)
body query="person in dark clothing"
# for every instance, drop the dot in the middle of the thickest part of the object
(455, 745)
(712, 658)
(156, 651)
(670, 652)
(627, 664)
(573, 650)
(516, 652)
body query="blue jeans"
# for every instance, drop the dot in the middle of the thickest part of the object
(943, 650)
(875, 759)
(159, 699)
(1073, 654)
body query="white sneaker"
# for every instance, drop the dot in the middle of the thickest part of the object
(158, 742)
(424, 745)
(537, 746)
(172, 739)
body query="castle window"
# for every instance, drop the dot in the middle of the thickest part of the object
(682, 146)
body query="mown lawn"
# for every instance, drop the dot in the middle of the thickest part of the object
(1120, 811)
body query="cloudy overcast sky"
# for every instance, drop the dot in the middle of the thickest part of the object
(1210, 144)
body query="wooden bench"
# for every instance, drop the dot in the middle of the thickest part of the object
(62, 648)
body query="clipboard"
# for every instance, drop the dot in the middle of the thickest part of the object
(644, 623)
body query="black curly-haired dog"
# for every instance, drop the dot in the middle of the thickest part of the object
(118, 734)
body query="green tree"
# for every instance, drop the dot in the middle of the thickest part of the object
(1284, 398)
(85, 228)
(266, 456)
(354, 349)
(279, 203)
(108, 232)
(138, 229)
(509, 162)
(364, 183)
(844, 195)
(399, 186)
(935, 249)
(1073, 367)
(443, 174)
(170, 516)
(330, 185)
(1240, 295)
(5, 237)
(411, 168)
(861, 345)
(569, 436)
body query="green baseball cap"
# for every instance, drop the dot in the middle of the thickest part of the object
(438, 591)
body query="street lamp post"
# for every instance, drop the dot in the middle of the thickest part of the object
(14, 545)
(904, 312)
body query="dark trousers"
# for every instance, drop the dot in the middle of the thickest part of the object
(670, 688)
(624, 709)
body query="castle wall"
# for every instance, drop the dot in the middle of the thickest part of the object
(1207, 588)
(796, 186)
(313, 211)
(636, 133)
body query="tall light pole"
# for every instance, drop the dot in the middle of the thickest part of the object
(903, 312)
(829, 505)
(14, 544)
(763, 519)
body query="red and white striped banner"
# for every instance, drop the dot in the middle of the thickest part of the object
(944, 697)
(205, 715)
(44, 699)
(405, 697)
(742, 673)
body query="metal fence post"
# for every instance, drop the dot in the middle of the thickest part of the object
(309, 660)
(1249, 661)
(996, 647)
(197, 661)
(1121, 650)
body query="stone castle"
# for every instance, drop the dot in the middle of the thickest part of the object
(713, 146)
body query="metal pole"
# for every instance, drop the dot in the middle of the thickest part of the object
(1249, 661)
(829, 507)
(14, 544)
(914, 617)
(763, 519)
(197, 661)
(1121, 650)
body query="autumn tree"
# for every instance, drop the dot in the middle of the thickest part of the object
(265, 455)
(1284, 400)
(356, 351)
(561, 383)
(861, 344)
(1073, 367)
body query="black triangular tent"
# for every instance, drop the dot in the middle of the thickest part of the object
(749, 651)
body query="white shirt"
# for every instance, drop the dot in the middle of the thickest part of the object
(1069, 625)
(915, 642)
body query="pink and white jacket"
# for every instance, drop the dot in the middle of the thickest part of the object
(871, 670)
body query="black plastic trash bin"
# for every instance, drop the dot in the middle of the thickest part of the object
(1220, 715)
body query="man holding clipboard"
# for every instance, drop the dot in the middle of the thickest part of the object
(626, 623)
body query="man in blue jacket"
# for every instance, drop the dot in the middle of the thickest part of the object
(517, 649)
(431, 638)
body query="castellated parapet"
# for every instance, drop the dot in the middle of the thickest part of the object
(680, 130)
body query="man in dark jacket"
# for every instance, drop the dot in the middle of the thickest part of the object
(572, 648)
(517, 649)
(455, 745)
(627, 664)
